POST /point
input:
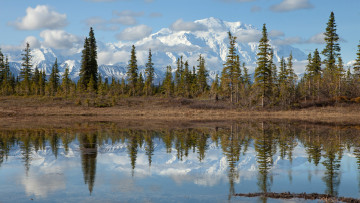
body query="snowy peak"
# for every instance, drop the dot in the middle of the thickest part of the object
(208, 37)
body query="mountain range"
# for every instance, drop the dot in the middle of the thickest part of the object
(209, 38)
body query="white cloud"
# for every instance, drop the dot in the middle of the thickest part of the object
(181, 25)
(33, 42)
(41, 185)
(290, 5)
(248, 36)
(40, 17)
(135, 33)
(59, 39)
(317, 39)
(110, 57)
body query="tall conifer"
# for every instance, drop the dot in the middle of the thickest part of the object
(132, 72)
(332, 48)
(263, 69)
(25, 73)
(54, 80)
(149, 71)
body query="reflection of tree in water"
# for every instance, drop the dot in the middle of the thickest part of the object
(265, 147)
(149, 148)
(88, 148)
(132, 150)
(323, 145)
(232, 143)
(333, 155)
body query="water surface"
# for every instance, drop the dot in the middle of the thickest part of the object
(209, 164)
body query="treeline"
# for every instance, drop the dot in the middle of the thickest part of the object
(325, 80)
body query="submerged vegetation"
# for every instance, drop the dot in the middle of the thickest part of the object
(324, 82)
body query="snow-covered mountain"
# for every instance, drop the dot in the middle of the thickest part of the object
(211, 40)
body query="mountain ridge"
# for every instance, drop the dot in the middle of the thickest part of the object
(210, 40)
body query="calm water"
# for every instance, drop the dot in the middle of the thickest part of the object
(113, 164)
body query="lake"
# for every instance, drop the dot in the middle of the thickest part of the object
(108, 162)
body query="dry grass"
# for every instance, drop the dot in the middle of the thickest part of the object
(20, 110)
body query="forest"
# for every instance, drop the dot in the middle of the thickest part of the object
(325, 81)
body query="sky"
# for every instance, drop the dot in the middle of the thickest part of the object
(63, 24)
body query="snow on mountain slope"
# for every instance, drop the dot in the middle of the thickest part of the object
(166, 45)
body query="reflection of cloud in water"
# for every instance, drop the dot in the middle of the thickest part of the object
(42, 184)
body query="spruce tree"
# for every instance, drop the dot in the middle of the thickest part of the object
(167, 84)
(89, 66)
(292, 78)
(93, 66)
(2, 67)
(215, 87)
(35, 81)
(357, 63)
(140, 84)
(66, 82)
(149, 71)
(246, 77)
(85, 72)
(132, 72)
(54, 80)
(332, 48)
(263, 69)
(25, 73)
(179, 77)
(230, 73)
(202, 75)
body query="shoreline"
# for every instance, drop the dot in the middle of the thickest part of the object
(27, 111)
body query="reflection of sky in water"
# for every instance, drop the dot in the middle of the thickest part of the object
(168, 178)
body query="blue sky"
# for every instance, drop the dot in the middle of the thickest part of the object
(63, 23)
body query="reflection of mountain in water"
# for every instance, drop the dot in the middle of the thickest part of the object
(204, 157)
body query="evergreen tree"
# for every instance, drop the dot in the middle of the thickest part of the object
(313, 71)
(215, 87)
(283, 71)
(292, 78)
(93, 66)
(230, 73)
(35, 81)
(140, 84)
(66, 82)
(340, 72)
(246, 77)
(202, 75)
(2, 67)
(132, 72)
(149, 71)
(263, 69)
(332, 48)
(357, 63)
(25, 73)
(85, 73)
(167, 84)
(179, 77)
(54, 80)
